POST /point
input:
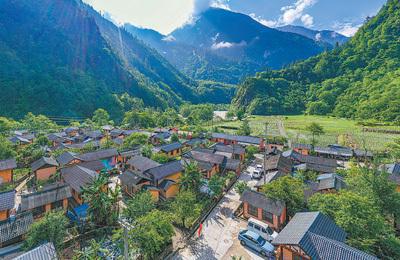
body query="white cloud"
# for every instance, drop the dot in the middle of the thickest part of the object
(307, 20)
(225, 45)
(263, 21)
(224, 4)
(318, 37)
(347, 29)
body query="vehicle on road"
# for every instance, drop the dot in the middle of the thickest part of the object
(257, 174)
(259, 167)
(256, 242)
(262, 229)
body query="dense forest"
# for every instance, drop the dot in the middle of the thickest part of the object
(360, 79)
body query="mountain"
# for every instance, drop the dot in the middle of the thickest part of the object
(360, 79)
(325, 36)
(62, 58)
(225, 46)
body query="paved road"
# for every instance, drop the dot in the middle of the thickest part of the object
(220, 230)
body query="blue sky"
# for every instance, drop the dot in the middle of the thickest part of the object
(344, 16)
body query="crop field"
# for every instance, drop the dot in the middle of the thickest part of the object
(337, 130)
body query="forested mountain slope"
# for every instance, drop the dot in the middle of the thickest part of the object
(358, 80)
(62, 58)
(225, 46)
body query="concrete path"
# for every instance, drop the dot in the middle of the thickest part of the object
(220, 231)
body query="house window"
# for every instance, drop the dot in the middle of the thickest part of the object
(253, 210)
(267, 216)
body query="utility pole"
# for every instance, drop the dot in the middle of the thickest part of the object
(126, 227)
(265, 151)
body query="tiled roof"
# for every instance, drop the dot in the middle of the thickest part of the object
(94, 134)
(66, 158)
(142, 164)
(92, 165)
(43, 252)
(238, 138)
(316, 168)
(170, 147)
(303, 222)
(320, 247)
(207, 157)
(54, 193)
(335, 150)
(313, 159)
(44, 161)
(302, 146)
(278, 162)
(234, 149)
(165, 184)
(261, 201)
(13, 229)
(98, 155)
(330, 181)
(165, 170)
(78, 177)
(8, 164)
(7, 199)
(130, 178)
(116, 132)
(232, 164)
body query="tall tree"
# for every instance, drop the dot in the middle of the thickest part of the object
(315, 131)
(134, 140)
(244, 128)
(6, 149)
(191, 178)
(185, 207)
(101, 117)
(141, 204)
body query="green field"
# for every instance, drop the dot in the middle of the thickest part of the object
(342, 131)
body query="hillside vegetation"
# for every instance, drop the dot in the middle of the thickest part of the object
(358, 80)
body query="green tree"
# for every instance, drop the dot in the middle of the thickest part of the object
(151, 233)
(92, 252)
(251, 151)
(141, 204)
(315, 131)
(185, 207)
(287, 189)
(6, 149)
(241, 186)
(240, 113)
(191, 178)
(147, 151)
(51, 228)
(135, 139)
(244, 128)
(42, 140)
(394, 149)
(101, 117)
(174, 138)
(37, 123)
(216, 185)
(6, 125)
(103, 202)
(160, 158)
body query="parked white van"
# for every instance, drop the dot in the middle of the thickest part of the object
(257, 174)
(262, 229)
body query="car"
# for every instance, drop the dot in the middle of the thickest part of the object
(259, 166)
(257, 174)
(262, 229)
(256, 242)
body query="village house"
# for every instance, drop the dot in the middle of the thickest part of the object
(7, 199)
(58, 139)
(228, 139)
(95, 135)
(334, 151)
(51, 197)
(6, 170)
(72, 131)
(166, 177)
(141, 164)
(312, 163)
(195, 142)
(77, 178)
(312, 235)
(234, 151)
(44, 168)
(304, 149)
(13, 231)
(96, 165)
(330, 182)
(43, 252)
(257, 205)
(172, 150)
(158, 138)
(278, 163)
(132, 182)
(22, 139)
(107, 156)
(125, 155)
(208, 162)
(68, 158)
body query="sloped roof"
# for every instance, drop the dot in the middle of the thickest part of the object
(66, 158)
(98, 155)
(235, 149)
(207, 157)
(238, 138)
(335, 150)
(131, 178)
(232, 164)
(259, 200)
(92, 165)
(8, 164)
(7, 199)
(142, 163)
(269, 177)
(10, 230)
(330, 181)
(304, 222)
(165, 170)
(302, 146)
(313, 159)
(279, 162)
(44, 252)
(170, 147)
(316, 168)
(54, 193)
(94, 134)
(78, 177)
(166, 184)
(44, 161)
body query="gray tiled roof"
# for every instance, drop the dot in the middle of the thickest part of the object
(130, 178)
(142, 164)
(8, 164)
(78, 177)
(313, 159)
(316, 168)
(165, 184)
(304, 222)
(98, 155)
(66, 158)
(55, 193)
(261, 201)
(330, 181)
(43, 252)
(320, 247)
(207, 157)
(234, 149)
(165, 170)
(232, 164)
(335, 150)
(7, 199)
(92, 165)
(238, 138)
(44, 161)
(170, 147)
(278, 162)
(10, 230)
